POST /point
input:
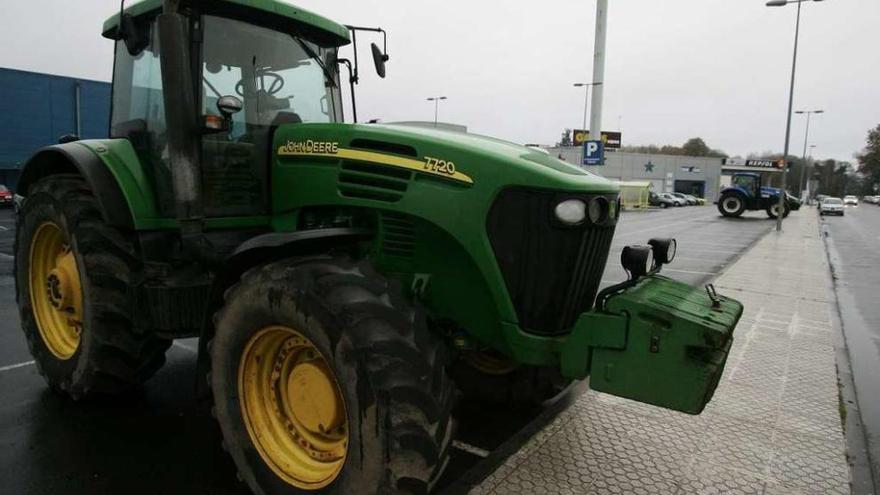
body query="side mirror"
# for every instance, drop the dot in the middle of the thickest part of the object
(379, 60)
(133, 37)
(229, 105)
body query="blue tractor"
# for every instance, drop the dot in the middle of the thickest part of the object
(746, 193)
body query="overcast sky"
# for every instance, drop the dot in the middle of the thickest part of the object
(675, 69)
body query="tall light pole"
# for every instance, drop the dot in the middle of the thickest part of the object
(436, 100)
(801, 184)
(586, 87)
(598, 69)
(797, 28)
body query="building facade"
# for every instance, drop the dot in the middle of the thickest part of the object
(699, 176)
(38, 109)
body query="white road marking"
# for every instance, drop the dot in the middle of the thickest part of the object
(19, 365)
(471, 449)
(2, 228)
(184, 347)
(4, 256)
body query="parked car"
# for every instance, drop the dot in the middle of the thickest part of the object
(5, 196)
(676, 201)
(831, 206)
(697, 200)
(684, 197)
(850, 200)
(660, 200)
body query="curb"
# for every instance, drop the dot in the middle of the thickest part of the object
(861, 475)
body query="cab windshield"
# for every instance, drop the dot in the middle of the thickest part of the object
(280, 79)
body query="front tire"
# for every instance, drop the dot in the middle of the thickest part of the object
(385, 421)
(490, 378)
(731, 205)
(72, 275)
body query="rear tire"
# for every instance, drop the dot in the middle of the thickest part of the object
(389, 371)
(731, 205)
(104, 353)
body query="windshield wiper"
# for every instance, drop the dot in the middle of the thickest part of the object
(311, 53)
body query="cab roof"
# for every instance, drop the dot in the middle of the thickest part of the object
(318, 28)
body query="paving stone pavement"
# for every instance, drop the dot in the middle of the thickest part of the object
(773, 426)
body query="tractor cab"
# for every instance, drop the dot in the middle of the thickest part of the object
(749, 183)
(249, 74)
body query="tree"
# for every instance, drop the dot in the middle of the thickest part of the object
(695, 147)
(869, 161)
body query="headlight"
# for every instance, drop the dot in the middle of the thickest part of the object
(598, 210)
(664, 250)
(637, 260)
(571, 212)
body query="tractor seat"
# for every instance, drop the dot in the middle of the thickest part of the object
(285, 118)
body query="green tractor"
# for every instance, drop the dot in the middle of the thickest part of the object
(348, 282)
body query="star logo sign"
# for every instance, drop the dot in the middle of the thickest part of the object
(649, 167)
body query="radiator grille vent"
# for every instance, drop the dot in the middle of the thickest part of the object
(398, 235)
(376, 182)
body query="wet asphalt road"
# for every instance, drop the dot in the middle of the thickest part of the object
(161, 440)
(854, 249)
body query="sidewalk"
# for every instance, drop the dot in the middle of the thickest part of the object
(773, 427)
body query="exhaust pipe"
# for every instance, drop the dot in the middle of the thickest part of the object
(182, 129)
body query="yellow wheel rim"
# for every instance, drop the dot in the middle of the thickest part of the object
(293, 408)
(55, 290)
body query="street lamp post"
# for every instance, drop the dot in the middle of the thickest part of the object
(436, 100)
(797, 27)
(803, 176)
(586, 87)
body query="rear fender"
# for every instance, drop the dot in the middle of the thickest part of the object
(74, 158)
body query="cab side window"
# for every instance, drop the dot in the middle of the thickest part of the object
(139, 112)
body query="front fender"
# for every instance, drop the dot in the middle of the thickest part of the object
(257, 250)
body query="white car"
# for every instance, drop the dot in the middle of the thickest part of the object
(850, 200)
(831, 206)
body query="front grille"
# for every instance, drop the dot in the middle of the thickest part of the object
(552, 272)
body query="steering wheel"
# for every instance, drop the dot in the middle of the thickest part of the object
(276, 83)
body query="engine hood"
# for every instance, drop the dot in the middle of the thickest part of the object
(461, 158)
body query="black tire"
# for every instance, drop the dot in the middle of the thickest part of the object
(390, 368)
(771, 210)
(664, 205)
(518, 385)
(731, 205)
(112, 356)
